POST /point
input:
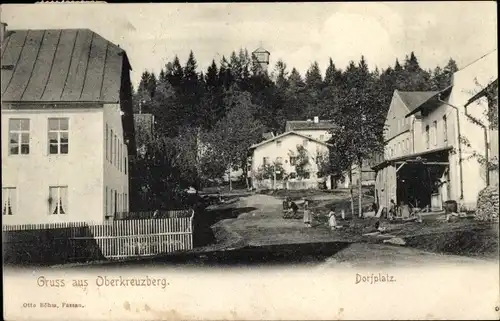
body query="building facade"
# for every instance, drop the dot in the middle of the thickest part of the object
(67, 127)
(449, 139)
(283, 152)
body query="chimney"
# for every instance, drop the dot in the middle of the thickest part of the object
(4, 31)
(316, 119)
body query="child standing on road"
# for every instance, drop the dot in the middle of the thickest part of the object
(307, 214)
(332, 220)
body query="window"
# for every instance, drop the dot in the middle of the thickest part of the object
(19, 136)
(58, 199)
(321, 137)
(319, 159)
(119, 156)
(58, 135)
(305, 142)
(307, 175)
(445, 130)
(293, 160)
(107, 156)
(427, 138)
(265, 161)
(125, 164)
(110, 201)
(9, 200)
(115, 151)
(106, 202)
(111, 147)
(293, 175)
(435, 126)
(115, 203)
(278, 143)
(279, 160)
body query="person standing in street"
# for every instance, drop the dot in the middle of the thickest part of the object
(307, 214)
(332, 221)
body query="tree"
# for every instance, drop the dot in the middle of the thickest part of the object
(175, 74)
(191, 93)
(158, 179)
(228, 142)
(333, 76)
(281, 75)
(302, 162)
(145, 93)
(361, 118)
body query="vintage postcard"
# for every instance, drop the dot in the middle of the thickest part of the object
(250, 161)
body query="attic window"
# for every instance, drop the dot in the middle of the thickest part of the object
(278, 143)
(7, 67)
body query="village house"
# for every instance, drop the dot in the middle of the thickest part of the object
(275, 162)
(432, 141)
(313, 128)
(67, 126)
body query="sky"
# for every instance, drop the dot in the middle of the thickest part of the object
(297, 33)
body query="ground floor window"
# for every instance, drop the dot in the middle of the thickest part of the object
(58, 199)
(8, 200)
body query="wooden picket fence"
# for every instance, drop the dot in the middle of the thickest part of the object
(152, 214)
(77, 241)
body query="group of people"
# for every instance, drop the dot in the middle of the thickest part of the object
(292, 207)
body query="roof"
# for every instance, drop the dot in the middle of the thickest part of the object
(483, 92)
(268, 135)
(286, 134)
(260, 49)
(431, 101)
(61, 65)
(293, 125)
(413, 99)
(403, 158)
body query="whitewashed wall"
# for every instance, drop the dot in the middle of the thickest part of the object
(80, 169)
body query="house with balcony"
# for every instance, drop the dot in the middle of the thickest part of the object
(67, 126)
(435, 156)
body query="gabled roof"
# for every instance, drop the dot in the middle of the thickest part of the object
(292, 125)
(431, 101)
(413, 99)
(68, 65)
(286, 134)
(260, 49)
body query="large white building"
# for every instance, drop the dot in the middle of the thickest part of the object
(67, 127)
(436, 140)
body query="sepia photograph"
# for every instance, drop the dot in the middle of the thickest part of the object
(250, 161)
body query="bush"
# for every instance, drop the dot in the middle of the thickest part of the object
(487, 204)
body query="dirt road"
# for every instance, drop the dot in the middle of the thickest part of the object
(262, 225)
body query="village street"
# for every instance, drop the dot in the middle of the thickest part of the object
(261, 225)
(255, 234)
